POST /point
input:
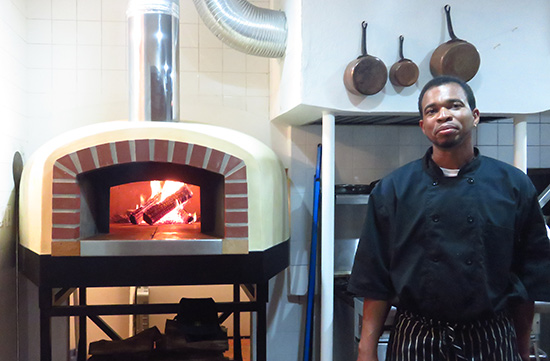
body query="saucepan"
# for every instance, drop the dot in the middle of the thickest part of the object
(367, 74)
(456, 57)
(405, 71)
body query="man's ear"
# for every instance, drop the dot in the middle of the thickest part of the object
(476, 115)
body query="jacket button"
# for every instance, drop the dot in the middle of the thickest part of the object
(469, 262)
(435, 259)
(435, 218)
(471, 181)
(435, 182)
(470, 219)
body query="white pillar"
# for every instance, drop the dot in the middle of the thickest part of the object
(327, 236)
(520, 142)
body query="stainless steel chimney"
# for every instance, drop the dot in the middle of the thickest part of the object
(153, 60)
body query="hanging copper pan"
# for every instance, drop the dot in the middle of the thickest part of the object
(405, 71)
(456, 57)
(367, 74)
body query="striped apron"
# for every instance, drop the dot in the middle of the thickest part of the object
(416, 338)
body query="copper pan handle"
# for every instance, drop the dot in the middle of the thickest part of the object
(449, 23)
(401, 39)
(364, 38)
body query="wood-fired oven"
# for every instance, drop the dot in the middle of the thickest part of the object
(79, 190)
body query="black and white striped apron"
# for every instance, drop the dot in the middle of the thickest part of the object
(417, 338)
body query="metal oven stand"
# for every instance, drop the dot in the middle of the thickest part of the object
(66, 274)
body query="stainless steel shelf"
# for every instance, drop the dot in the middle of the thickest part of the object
(370, 119)
(352, 199)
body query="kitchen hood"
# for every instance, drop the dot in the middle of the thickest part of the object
(325, 36)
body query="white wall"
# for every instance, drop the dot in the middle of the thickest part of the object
(13, 124)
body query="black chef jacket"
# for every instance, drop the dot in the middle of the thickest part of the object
(453, 248)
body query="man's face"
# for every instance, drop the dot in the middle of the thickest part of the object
(447, 119)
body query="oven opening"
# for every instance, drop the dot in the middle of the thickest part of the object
(151, 201)
(159, 208)
(154, 203)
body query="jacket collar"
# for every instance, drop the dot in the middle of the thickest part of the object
(435, 171)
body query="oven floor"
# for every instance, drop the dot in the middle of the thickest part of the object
(156, 240)
(155, 232)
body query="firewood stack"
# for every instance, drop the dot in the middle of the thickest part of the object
(135, 348)
(193, 335)
(159, 210)
(154, 208)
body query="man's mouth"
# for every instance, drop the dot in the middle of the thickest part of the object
(446, 129)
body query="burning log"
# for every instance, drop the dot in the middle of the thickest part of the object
(187, 217)
(137, 215)
(159, 210)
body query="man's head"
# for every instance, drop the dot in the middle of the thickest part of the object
(445, 79)
(448, 114)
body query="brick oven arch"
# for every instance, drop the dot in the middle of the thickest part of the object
(69, 169)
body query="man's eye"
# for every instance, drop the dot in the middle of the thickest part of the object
(457, 105)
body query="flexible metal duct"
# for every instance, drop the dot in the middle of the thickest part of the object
(245, 27)
(153, 60)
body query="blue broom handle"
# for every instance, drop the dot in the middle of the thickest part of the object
(308, 340)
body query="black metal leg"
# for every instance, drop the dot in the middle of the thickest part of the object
(82, 331)
(237, 349)
(45, 304)
(103, 326)
(47, 310)
(261, 322)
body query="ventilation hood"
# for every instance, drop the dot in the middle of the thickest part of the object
(324, 36)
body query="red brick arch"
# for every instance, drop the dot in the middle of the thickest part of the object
(67, 194)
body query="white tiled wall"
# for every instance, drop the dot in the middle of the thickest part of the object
(366, 153)
(77, 66)
(496, 139)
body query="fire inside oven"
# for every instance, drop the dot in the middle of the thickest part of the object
(151, 201)
(155, 203)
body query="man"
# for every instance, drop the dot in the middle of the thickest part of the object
(457, 241)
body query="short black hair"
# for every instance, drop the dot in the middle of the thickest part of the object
(446, 79)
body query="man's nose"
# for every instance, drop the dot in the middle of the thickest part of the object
(444, 114)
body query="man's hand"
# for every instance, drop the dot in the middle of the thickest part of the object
(522, 316)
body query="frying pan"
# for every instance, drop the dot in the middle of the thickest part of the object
(456, 57)
(404, 72)
(367, 74)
